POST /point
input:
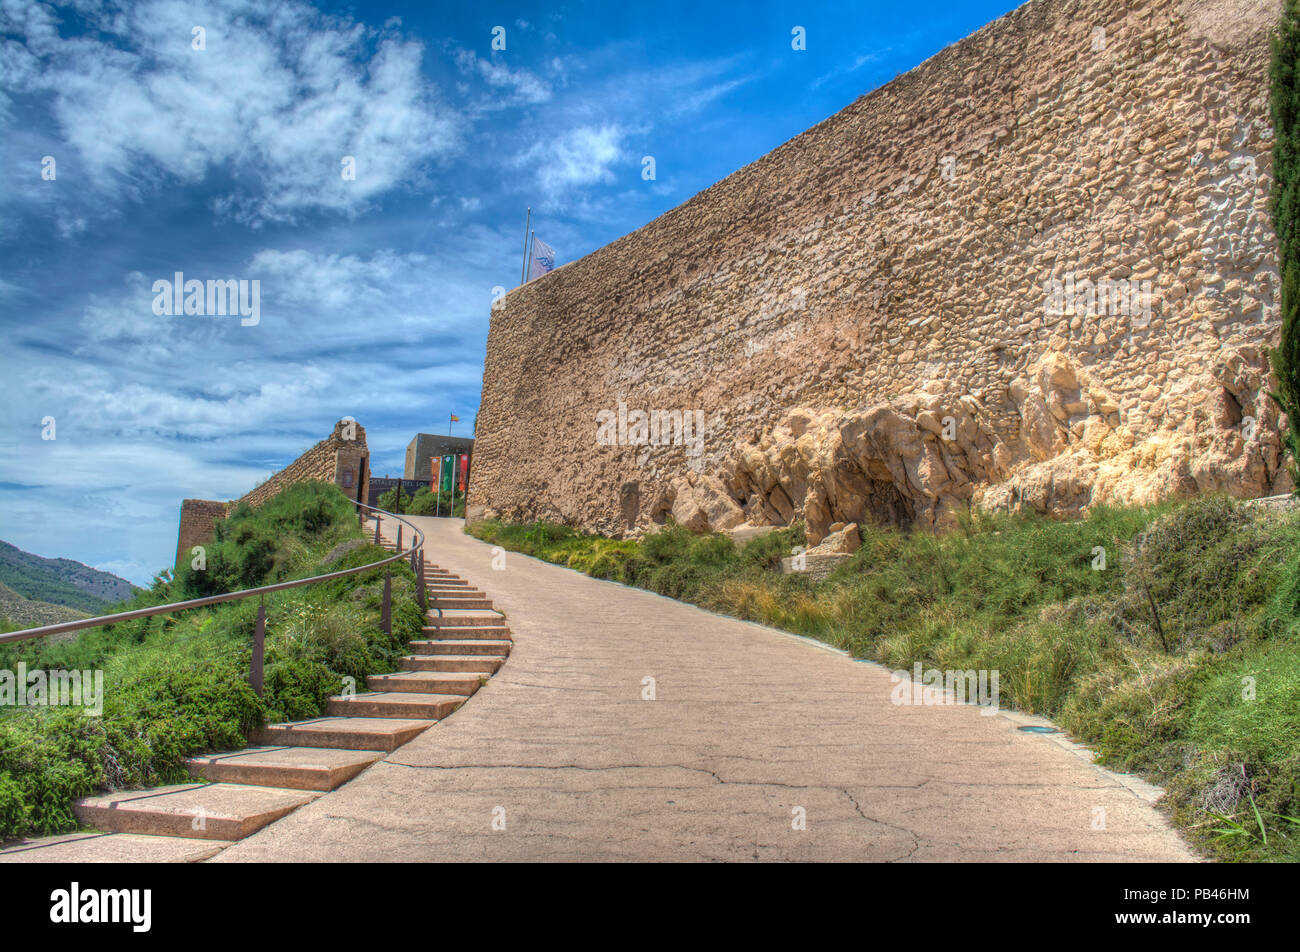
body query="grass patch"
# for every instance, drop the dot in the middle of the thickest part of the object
(1178, 660)
(177, 685)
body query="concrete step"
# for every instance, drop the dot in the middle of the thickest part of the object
(461, 604)
(396, 704)
(296, 768)
(346, 733)
(216, 811)
(470, 618)
(448, 585)
(473, 646)
(475, 663)
(425, 682)
(463, 633)
(91, 846)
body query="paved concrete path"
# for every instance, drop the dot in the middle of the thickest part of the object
(749, 727)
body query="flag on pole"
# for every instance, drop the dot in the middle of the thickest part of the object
(454, 418)
(543, 259)
(437, 487)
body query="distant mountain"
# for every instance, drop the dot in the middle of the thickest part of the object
(60, 581)
(25, 613)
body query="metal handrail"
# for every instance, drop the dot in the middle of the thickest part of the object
(30, 633)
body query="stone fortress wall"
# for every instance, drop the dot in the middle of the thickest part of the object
(341, 458)
(1037, 270)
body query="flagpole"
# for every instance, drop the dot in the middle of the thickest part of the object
(532, 237)
(450, 417)
(527, 221)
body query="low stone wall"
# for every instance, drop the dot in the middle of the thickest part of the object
(342, 458)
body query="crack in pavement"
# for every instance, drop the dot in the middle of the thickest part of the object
(746, 719)
(916, 840)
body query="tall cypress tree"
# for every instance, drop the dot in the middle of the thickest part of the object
(1284, 75)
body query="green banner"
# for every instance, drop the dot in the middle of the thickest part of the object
(448, 474)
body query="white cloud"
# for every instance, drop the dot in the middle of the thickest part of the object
(276, 100)
(581, 156)
(587, 136)
(870, 57)
(339, 334)
(508, 87)
(354, 320)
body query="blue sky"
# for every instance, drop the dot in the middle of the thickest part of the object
(225, 162)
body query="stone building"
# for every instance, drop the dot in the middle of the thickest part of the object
(424, 450)
(1038, 270)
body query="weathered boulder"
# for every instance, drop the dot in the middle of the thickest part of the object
(842, 541)
(916, 458)
(702, 504)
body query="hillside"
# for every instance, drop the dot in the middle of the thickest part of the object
(26, 613)
(178, 685)
(60, 581)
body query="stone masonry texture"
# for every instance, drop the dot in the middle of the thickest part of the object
(1038, 270)
(197, 519)
(423, 451)
(335, 459)
(341, 458)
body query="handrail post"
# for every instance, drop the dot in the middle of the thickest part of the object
(259, 648)
(399, 538)
(386, 616)
(419, 583)
(255, 677)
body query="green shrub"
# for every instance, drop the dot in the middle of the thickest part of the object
(424, 502)
(1284, 76)
(1071, 636)
(176, 685)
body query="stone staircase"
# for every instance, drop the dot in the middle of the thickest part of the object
(239, 792)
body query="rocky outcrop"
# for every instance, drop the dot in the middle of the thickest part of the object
(1212, 431)
(919, 458)
(701, 504)
(842, 540)
(925, 457)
